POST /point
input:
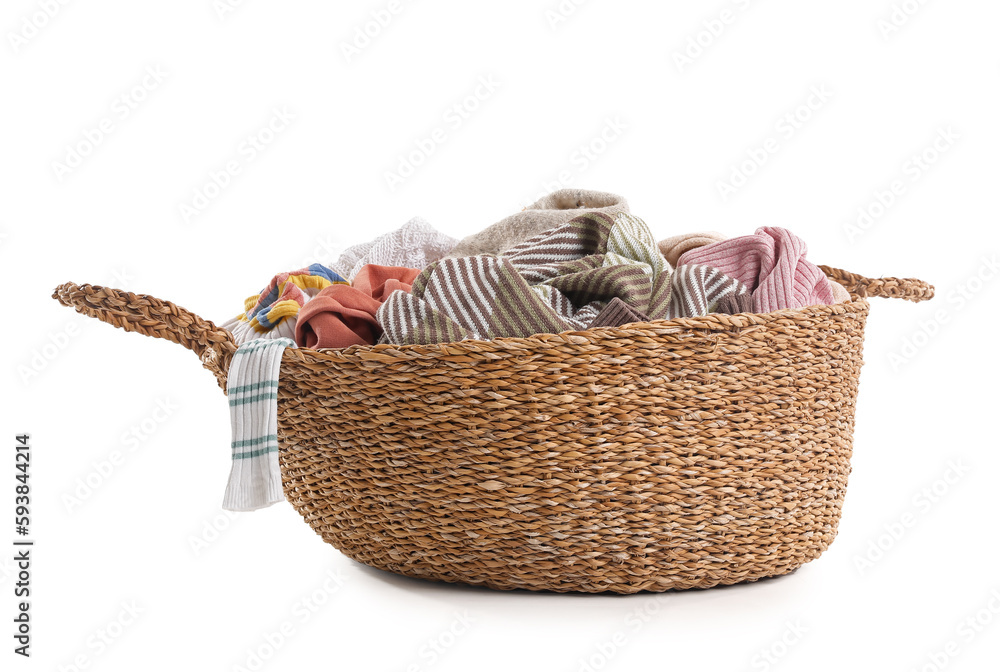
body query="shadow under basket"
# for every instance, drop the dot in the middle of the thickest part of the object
(685, 453)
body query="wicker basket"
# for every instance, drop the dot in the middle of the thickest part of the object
(673, 454)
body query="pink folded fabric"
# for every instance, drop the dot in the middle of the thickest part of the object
(772, 264)
(674, 246)
(379, 282)
(344, 315)
(840, 294)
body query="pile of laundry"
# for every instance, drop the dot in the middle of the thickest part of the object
(574, 260)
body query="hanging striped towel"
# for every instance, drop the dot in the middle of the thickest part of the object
(255, 479)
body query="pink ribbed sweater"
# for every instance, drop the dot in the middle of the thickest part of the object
(772, 263)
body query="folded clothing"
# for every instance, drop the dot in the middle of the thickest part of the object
(344, 315)
(549, 211)
(772, 264)
(416, 244)
(674, 246)
(255, 477)
(272, 313)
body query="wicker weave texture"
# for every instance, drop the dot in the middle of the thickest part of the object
(621, 460)
(673, 454)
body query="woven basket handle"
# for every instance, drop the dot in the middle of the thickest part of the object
(153, 317)
(910, 289)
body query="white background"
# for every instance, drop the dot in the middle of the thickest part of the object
(211, 588)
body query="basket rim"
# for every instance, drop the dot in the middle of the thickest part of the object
(713, 322)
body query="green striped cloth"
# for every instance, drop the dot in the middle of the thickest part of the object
(255, 477)
(557, 281)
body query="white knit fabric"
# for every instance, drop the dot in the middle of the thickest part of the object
(416, 244)
(255, 478)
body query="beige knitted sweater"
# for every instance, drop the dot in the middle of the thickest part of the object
(550, 211)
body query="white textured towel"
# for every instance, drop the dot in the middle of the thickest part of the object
(255, 479)
(416, 244)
